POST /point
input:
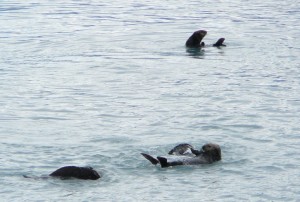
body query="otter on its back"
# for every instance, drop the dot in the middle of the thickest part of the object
(178, 155)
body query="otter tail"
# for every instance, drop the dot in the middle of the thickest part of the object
(153, 160)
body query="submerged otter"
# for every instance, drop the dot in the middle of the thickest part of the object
(185, 154)
(85, 173)
(195, 41)
(67, 172)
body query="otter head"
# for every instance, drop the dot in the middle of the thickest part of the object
(196, 38)
(200, 34)
(89, 173)
(213, 151)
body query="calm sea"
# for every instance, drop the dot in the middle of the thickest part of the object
(97, 82)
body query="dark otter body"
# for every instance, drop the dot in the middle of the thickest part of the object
(195, 41)
(85, 173)
(196, 38)
(179, 155)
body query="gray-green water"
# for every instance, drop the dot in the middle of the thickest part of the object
(94, 83)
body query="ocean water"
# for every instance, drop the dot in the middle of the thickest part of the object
(95, 83)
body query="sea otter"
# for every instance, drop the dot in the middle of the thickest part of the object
(195, 41)
(85, 173)
(67, 172)
(196, 38)
(185, 154)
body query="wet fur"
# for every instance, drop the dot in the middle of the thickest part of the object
(67, 172)
(195, 40)
(85, 173)
(208, 154)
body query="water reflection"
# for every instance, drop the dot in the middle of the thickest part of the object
(195, 52)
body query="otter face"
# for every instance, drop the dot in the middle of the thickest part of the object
(213, 150)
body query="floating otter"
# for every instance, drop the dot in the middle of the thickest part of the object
(196, 38)
(185, 154)
(195, 41)
(85, 173)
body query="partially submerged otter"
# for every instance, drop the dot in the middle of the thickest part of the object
(67, 172)
(185, 154)
(85, 173)
(195, 41)
(196, 38)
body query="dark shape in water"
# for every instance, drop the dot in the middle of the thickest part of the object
(85, 173)
(67, 172)
(219, 42)
(186, 155)
(195, 40)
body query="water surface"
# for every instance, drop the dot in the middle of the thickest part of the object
(94, 83)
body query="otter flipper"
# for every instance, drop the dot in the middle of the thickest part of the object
(153, 160)
(163, 162)
(219, 42)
